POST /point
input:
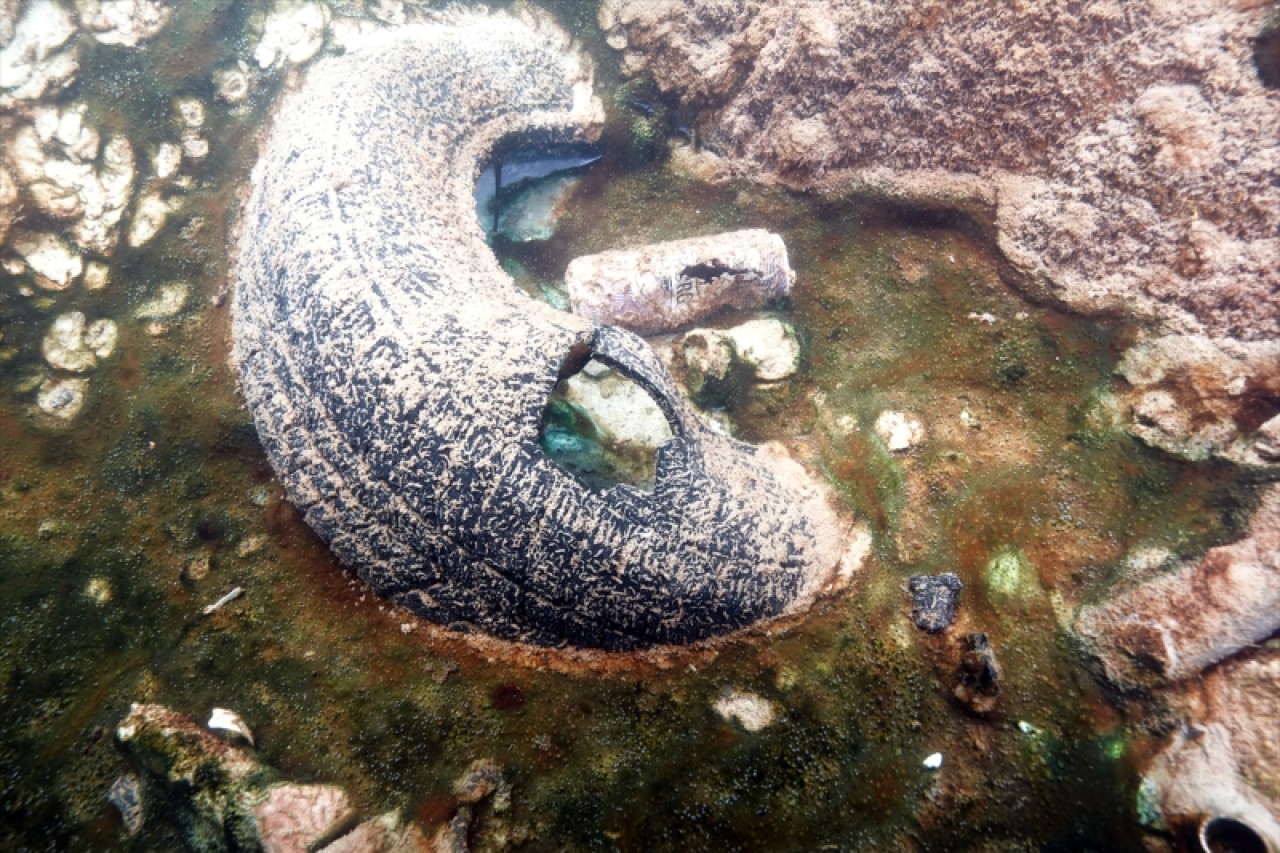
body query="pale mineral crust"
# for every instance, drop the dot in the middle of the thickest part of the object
(397, 376)
(663, 286)
(1121, 154)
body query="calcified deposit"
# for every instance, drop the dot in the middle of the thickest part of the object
(1122, 156)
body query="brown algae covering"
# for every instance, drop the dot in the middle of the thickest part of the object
(119, 529)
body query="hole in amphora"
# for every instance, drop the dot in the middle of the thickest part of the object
(1221, 834)
(1266, 53)
(603, 427)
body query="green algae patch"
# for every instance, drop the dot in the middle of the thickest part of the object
(1009, 576)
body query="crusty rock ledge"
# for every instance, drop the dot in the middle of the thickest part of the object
(397, 376)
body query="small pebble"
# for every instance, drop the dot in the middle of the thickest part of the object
(933, 762)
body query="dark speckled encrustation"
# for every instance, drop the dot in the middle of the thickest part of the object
(397, 376)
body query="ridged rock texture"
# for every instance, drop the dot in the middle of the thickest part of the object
(1123, 153)
(397, 377)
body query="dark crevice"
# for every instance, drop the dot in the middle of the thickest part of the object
(1266, 54)
(709, 272)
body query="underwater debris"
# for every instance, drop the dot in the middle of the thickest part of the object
(660, 287)
(432, 483)
(1197, 776)
(934, 599)
(41, 56)
(979, 687)
(223, 602)
(224, 720)
(1177, 624)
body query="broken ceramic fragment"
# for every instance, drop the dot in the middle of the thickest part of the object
(398, 378)
(663, 286)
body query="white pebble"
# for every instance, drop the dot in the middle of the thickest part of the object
(748, 710)
(933, 762)
(899, 431)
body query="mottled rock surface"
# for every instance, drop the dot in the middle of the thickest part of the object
(1179, 623)
(1122, 153)
(1201, 399)
(397, 377)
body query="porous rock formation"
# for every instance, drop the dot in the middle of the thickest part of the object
(397, 376)
(1122, 154)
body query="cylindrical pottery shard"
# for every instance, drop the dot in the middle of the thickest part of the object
(663, 286)
(397, 377)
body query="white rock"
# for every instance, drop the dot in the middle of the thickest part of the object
(95, 275)
(620, 408)
(190, 112)
(78, 140)
(232, 84)
(38, 60)
(767, 345)
(60, 400)
(56, 156)
(1268, 442)
(166, 303)
(167, 160)
(98, 590)
(899, 431)
(224, 720)
(294, 32)
(149, 216)
(195, 148)
(55, 263)
(748, 710)
(123, 22)
(74, 345)
(933, 762)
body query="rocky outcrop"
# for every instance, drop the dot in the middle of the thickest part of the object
(398, 379)
(1202, 399)
(1122, 154)
(1177, 624)
(224, 799)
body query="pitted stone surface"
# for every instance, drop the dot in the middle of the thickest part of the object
(397, 376)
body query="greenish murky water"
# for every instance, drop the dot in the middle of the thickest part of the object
(116, 532)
